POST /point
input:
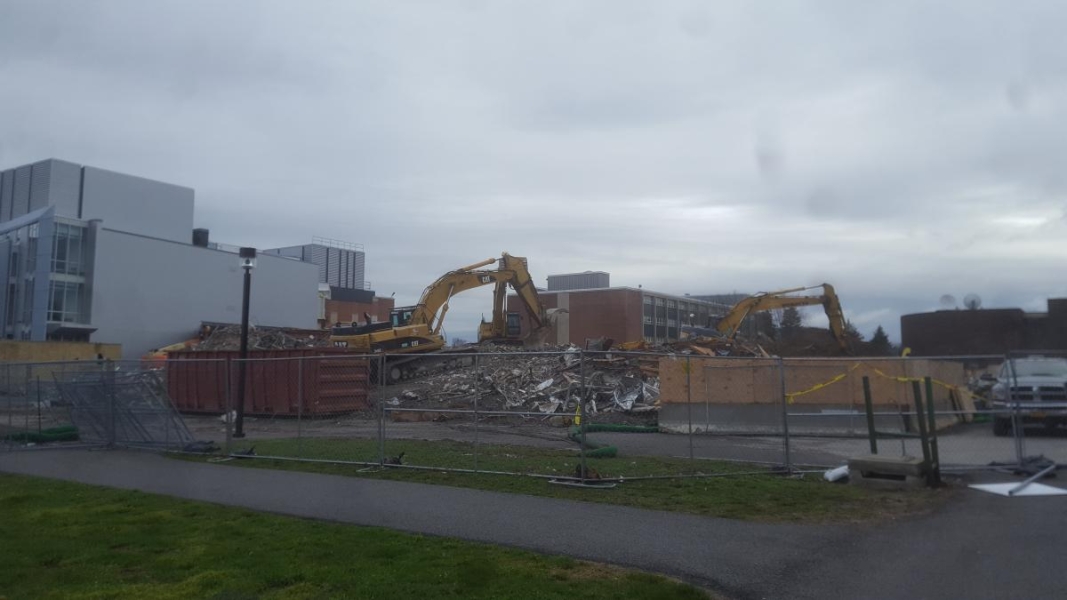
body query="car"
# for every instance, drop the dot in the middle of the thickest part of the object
(1036, 387)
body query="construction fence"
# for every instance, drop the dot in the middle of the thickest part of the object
(557, 415)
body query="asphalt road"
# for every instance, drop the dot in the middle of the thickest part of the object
(980, 546)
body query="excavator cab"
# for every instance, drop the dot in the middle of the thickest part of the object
(401, 316)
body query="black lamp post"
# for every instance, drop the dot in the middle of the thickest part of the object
(248, 262)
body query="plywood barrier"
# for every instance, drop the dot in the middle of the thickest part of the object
(811, 382)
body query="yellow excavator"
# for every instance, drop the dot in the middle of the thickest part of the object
(417, 329)
(728, 326)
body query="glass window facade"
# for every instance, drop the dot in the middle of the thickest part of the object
(42, 268)
(64, 302)
(68, 250)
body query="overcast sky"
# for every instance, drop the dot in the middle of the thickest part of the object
(899, 150)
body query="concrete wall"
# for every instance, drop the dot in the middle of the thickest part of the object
(64, 187)
(745, 394)
(134, 204)
(21, 351)
(149, 293)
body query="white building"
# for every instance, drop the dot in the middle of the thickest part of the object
(89, 254)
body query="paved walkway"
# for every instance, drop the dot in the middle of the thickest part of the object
(980, 547)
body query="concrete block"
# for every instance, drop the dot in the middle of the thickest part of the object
(887, 472)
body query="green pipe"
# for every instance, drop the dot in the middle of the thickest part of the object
(593, 449)
(67, 433)
(596, 450)
(622, 428)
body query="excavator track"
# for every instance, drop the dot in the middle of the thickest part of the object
(405, 367)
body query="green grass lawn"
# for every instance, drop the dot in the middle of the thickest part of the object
(66, 540)
(763, 497)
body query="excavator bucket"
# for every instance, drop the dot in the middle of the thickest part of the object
(548, 334)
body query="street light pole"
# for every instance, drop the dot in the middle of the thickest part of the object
(248, 262)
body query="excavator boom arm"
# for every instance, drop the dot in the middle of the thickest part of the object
(511, 271)
(730, 324)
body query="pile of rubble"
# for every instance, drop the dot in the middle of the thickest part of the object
(228, 337)
(706, 345)
(546, 383)
(718, 346)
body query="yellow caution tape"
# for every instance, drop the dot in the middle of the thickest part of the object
(815, 388)
(898, 378)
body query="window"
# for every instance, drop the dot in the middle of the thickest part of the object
(68, 249)
(513, 325)
(647, 299)
(11, 295)
(64, 302)
(648, 319)
(27, 302)
(31, 247)
(670, 304)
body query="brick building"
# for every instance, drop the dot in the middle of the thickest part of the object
(340, 305)
(623, 314)
(985, 331)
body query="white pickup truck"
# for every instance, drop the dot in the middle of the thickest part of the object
(1036, 387)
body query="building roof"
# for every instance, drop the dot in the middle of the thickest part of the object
(633, 289)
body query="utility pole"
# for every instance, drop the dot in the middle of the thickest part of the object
(248, 262)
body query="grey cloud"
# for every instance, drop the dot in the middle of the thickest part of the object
(679, 145)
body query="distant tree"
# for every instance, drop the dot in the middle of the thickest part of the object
(791, 320)
(852, 333)
(879, 344)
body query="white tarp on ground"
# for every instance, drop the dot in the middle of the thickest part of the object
(1034, 489)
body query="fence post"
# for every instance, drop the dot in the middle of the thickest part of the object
(785, 416)
(381, 410)
(228, 406)
(110, 379)
(581, 412)
(300, 406)
(10, 398)
(707, 400)
(476, 432)
(689, 402)
(920, 417)
(870, 414)
(38, 404)
(26, 400)
(935, 466)
(1013, 403)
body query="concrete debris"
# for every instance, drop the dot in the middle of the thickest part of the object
(626, 399)
(547, 383)
(394, 401)
(228, 337)
(549, 406)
